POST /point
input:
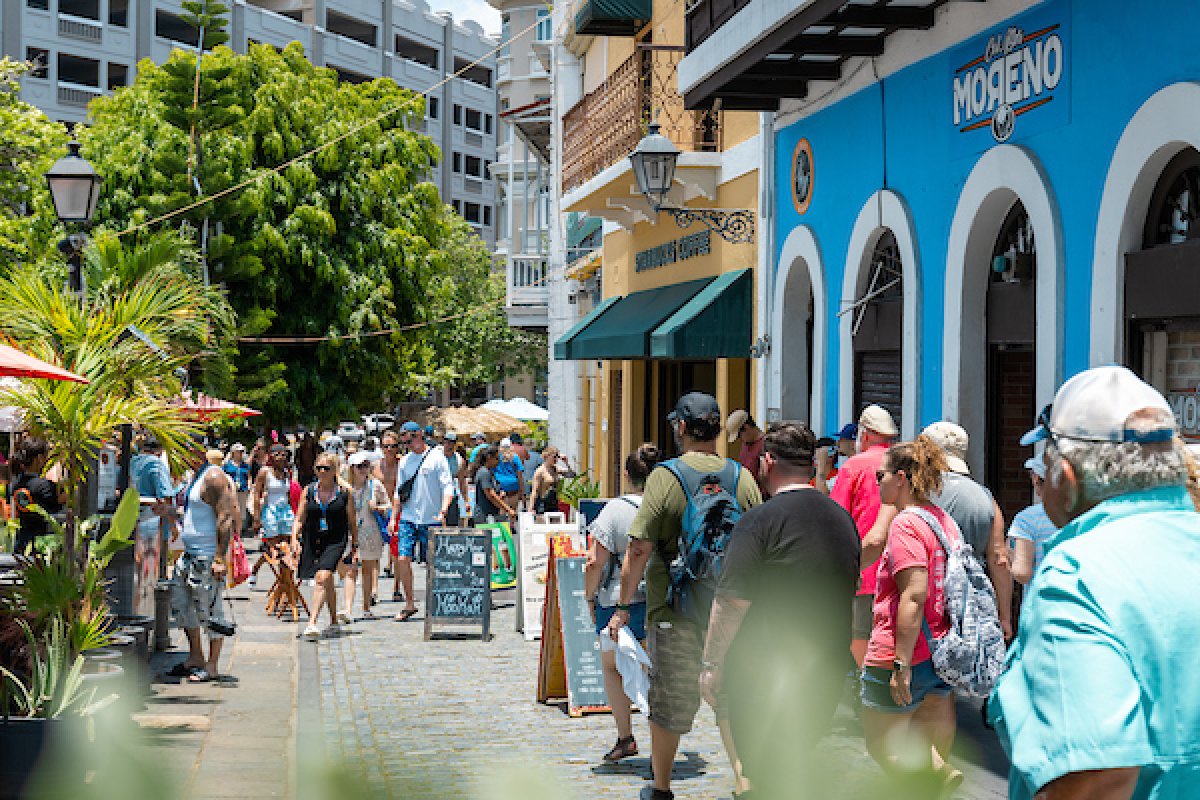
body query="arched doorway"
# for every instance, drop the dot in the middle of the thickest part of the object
(877, 329)
(796, 362)
(796, 345)
(1162, 291)
(1010, 325)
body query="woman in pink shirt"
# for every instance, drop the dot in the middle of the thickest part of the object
(905, 703)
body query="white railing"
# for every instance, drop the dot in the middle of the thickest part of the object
(75, 94)
(88, 30)
(527, 281)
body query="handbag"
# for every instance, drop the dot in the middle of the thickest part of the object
(238, 564)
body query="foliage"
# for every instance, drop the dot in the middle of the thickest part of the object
(55, 687)
(30, 143)
(575, 489)
(341, 242)
(477, 346)
(539, 433)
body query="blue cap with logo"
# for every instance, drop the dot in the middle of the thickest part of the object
(411, 427)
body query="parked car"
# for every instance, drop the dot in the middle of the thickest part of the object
(350, 432)
(375, 424)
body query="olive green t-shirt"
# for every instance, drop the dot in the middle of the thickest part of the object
(660, 518)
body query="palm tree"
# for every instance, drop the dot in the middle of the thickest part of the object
(147, 286)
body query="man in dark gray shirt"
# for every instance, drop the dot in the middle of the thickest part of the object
(977, 514)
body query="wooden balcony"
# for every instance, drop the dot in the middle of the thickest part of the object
(606, 125)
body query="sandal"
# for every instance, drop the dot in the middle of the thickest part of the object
(181, 670)
(201, 675)
(406, 615)
(625, 747)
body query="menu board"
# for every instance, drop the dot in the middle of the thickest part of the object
(458, 582)
(570, 662)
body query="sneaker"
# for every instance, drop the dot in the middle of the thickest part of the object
(333, 629)
(343, 618)
(368, 614)
(312, 632)
(253, 580)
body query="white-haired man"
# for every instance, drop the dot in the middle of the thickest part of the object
(1100, 698)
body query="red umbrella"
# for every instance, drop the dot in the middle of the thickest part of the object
(203, 407)
(19, 365)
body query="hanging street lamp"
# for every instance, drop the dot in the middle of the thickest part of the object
(75, 190)
(653, 162)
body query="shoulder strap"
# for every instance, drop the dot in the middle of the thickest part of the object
(934, 525)
(629, 500)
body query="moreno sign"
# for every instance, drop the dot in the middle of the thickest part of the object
(1008, 73)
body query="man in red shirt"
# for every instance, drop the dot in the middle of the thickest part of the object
(740, 427)
(857, 491)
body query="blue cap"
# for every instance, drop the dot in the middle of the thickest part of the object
(429, 430)
(848, 431)
(411, 427)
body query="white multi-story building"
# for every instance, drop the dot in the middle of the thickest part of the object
(87, 48)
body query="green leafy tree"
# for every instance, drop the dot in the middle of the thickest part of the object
(341, 242)
(30, 143)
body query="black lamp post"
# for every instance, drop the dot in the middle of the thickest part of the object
(75, 189)
(653, 162)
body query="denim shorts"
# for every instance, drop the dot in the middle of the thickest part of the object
(637, 619)
(407, 536)
(877, 688)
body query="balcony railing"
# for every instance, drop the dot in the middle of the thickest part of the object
(606, 125)
(527, 281)
(75, 94)
(705, 16)
(80, 28)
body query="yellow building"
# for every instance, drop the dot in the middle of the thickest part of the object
(676, 309)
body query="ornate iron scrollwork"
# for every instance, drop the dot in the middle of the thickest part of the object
(732, 225)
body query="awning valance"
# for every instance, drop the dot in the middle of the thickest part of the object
(562, 348)
(715, 323)
(612, 17)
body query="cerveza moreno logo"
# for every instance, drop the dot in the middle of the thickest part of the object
(1016, 73)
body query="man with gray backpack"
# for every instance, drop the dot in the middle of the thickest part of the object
(678, 541)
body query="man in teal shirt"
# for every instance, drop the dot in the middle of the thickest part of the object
(1100, 698)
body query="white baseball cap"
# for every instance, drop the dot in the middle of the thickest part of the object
(506, 442)
(1037, 465)
(1106, 404)
(361, 457)
(733, 425)
(878, 419)
(953, 440)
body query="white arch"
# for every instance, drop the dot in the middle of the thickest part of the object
(1002, 175)
(1166, 124)
(800, 246)
(885, 210)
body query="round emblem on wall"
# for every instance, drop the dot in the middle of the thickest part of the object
(802, 176)
(1003, 122)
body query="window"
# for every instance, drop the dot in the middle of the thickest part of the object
(471, 213)
(78, 70)
(505, 34)
(118, 13)
(118, 76)
(474, 166)
(487, 123)
(416, 52)
(457, 162)
(432, 108)
(171, 26)
(457, 114)
(351, 28)
(40, 58)
(40, 5)
(487, 215)
(350, 76)
(458, 207)
(544, 32)
(87, 9)
(474, 74)
(474, 119)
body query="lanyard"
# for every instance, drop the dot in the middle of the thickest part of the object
(324, 506)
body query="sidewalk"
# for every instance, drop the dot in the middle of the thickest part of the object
(235, 737)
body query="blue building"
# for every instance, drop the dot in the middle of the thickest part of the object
(972, 202)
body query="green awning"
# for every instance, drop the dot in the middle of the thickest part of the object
(716, 323)
(562, 348)
(622, 330)
(612, 17)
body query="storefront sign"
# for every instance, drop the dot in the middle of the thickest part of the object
(1186, 405)
(690, 246)
(1013, 80)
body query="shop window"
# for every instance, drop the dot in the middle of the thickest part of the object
(1174, 216)
(118, 76)
(40, 59)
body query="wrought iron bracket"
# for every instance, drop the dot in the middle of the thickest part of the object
(734, 225)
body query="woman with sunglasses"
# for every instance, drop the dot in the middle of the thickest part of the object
(272, 505)
(370, 502)
(326, 533)
(903, 697)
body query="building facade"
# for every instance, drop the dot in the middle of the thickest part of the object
(87, 48)
(973, 202)
(674, 311)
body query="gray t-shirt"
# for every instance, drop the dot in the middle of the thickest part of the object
(971, 506)
(611, 529)
(484, 507)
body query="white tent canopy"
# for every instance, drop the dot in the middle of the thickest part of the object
(520, 408)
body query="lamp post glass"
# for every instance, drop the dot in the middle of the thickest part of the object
(653, 163)
(74, 187)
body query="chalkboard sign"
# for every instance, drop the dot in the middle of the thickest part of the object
(458, 582)
(581, 646)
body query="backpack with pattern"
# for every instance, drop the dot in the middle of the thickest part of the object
(970, 656)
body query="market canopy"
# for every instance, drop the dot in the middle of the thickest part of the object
(520, 408)
(20, 365)
(706, 318)
(463, 421)
(204, 407)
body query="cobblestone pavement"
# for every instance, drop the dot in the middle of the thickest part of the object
(458, 718)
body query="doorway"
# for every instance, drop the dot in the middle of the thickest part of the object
(877, 328)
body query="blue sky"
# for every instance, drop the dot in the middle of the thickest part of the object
(477, 10)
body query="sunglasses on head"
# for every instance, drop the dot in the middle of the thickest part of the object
(360, 466)
(323, 468)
